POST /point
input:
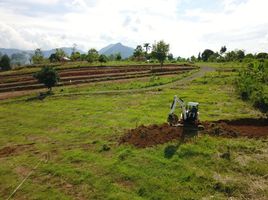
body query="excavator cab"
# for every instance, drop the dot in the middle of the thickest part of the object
(192, 111)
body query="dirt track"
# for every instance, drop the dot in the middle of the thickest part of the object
(146, 136)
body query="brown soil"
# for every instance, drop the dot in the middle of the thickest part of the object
(146, 136)
(14, 150)
(252, 128)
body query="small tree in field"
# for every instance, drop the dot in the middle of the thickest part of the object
(118, 57)
(102, 58)
(92, 55)
(160, 51)
(170, 57)
(138, 53)
(48, 76)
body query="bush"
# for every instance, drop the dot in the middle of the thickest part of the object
(103, 58)
(250, 84)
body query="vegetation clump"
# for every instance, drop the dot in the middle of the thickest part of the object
(5, 63)
(160, 51)
(252, 84)
(48, 76)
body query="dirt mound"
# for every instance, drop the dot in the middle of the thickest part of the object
(146, 136)
(253, 128)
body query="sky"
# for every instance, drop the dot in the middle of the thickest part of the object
(189, 26)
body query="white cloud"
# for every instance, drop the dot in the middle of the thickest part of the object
(92, 23)
(9, 36)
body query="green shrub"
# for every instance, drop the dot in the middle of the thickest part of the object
(48, 76)
(250, 84)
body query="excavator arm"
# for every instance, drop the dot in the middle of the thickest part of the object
(173, 118)
(174, 104)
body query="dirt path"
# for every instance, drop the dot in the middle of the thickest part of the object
(202, 71)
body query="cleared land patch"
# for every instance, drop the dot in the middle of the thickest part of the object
(146, 136)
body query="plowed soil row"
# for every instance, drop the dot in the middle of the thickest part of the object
(82, 68)
(93, 70)
(29, 80)
(147, 136)
(86, 75)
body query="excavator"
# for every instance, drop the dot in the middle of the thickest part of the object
(189, 116)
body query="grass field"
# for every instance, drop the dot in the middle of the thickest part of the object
(78, 137)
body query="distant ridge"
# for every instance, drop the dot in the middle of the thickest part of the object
(25, 55)
(46, 53)
(125, 51)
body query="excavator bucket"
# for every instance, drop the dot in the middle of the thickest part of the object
(173, 119)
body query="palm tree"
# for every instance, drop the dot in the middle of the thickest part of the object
(147, 47)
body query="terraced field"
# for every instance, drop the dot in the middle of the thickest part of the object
(18, 82)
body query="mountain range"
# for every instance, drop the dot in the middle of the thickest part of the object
(46, 53)
(125, 51)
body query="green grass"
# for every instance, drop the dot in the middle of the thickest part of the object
(131, 84)
(75, 132)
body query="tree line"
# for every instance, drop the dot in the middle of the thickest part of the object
(224, 56)
(158, 51)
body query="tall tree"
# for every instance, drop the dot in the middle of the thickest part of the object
(53, 58)
(38, 56)
(5, 63)
(160, 51)
(193, 58)
(60, 54)
(223, 50)
(206, 54)
(138, 53)
(240, 54)
(170, 57)
(147, 47)
(76, 56)
(199, 56)
(83, 57)
(92, 55)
